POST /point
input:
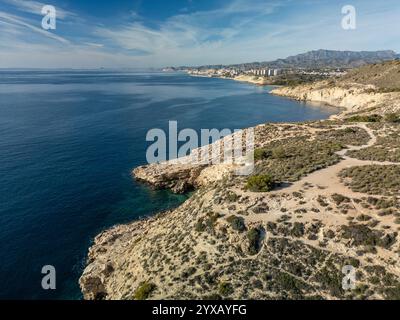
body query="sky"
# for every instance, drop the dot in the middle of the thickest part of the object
(158, 33)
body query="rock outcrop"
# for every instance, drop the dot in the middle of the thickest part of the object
(178, 178)
(354, 98)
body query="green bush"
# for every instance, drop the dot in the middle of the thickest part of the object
(279, 153)
(200, 226)
(261, 154)
(144, 291)
(237, 223)
(392, 117)
(260, 183)
(393, 293)
(225, 289)
(365, 118)
(298, 229)
(338, 198)
(373, 179)
(232, 197)
(254, 236)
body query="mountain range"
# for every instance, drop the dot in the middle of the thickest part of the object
(318, 59)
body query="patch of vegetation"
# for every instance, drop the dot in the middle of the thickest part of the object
(339, 199)
(322, 201)
(365, 118)
(298, 229)
(188, 272)
(387, 148)
(144, 291)
(212, 218)
(225, 289)
(237, 223)
(331, 279)
(232, 197)
(373, 179)
(392, 117)
(289, 283)
(349, 136)
(200, 226)
(254, 236)
(362, 235)
(261, 154)
(392, 293)
(260, 183)
(293, 158)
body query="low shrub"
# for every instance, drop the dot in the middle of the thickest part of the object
(237, 223)
(144, 291)
(225, 289)
(365, 118)
(392, 117)
(254, 236)
(260, 183)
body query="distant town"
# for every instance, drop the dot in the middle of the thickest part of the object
(294, 70)
(264, 76)
(264, 72)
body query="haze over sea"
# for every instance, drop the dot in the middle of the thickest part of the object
(68, 142)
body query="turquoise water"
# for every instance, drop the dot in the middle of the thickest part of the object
(68, 142)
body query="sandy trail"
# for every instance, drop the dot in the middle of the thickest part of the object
(328, 179)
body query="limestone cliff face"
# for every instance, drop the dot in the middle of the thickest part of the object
(179, 179)
(351, 97)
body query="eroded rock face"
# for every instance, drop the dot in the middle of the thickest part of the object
(203, 166)
(178, 178)
(354, 98)
(93, 288)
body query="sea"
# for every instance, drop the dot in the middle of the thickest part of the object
(69, 140)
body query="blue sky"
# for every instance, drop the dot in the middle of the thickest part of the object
(156, 33)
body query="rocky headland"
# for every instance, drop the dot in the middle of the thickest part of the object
(323, 195)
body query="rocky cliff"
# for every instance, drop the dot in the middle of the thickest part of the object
(366, 90)
(354, 98)
(323, 195)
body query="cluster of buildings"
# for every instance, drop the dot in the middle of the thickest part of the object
(327, 72)
(232, 72)
(264, 72)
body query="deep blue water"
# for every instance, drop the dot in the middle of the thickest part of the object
(68, 141)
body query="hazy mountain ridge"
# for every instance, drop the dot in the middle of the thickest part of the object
(317, 58)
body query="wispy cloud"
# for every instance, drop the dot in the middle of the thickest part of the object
(189, 30)
(238, 31)
(35, 7)
(21, 23)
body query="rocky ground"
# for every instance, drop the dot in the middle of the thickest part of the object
(323, 195)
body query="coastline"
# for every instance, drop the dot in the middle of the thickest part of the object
(251, 80)
(243, 78)
(94, 286)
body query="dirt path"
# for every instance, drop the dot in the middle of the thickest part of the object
(328, 179)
